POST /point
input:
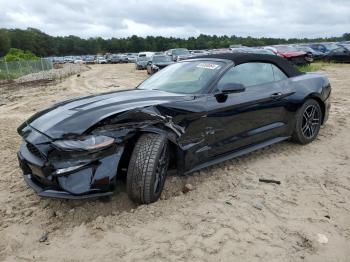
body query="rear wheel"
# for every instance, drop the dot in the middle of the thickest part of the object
(308, 122)
(148, 168)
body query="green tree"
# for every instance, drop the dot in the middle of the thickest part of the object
(5, 43)
(42, 44)
(17, 54)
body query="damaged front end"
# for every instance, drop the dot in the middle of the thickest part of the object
(79, 166)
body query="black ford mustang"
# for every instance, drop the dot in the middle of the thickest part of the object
(188, 116)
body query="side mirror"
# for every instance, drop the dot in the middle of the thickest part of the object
(233, 88)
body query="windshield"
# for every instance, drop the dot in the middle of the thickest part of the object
(186, 77)
(180, 52)
(331, 46)
(162, 58)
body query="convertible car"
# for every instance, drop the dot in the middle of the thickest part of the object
(188, 116)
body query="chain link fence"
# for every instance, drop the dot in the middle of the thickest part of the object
(39, 70)
(15, 69)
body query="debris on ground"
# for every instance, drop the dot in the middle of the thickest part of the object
(263, 180)
(44, 237)
(322, 239)
(187, 188)
(258, 206)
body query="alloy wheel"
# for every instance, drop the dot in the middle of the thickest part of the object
(311, 121)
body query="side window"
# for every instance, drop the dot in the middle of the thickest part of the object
(278, 74)
(248, 74)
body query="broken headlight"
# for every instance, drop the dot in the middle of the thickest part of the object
(86, 143)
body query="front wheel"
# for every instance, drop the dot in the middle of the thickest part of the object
(308, 122)
(148, 168)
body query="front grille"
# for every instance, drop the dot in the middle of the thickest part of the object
(35, 151)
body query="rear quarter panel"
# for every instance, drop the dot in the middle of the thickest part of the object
(301, 88)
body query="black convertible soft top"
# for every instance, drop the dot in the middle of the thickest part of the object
(240, 58)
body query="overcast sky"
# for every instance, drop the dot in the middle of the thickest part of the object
(180, 18)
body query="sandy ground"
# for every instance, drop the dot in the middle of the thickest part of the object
(229, 216)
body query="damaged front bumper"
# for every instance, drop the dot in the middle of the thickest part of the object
(94, 178)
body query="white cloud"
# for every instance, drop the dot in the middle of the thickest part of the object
(179, 18)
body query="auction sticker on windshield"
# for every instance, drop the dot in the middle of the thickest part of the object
(208, 66)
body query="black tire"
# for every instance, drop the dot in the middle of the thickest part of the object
(148, 168)
(307, 123)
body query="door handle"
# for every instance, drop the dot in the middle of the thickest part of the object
(276, 95)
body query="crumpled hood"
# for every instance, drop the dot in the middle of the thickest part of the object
(77, 115)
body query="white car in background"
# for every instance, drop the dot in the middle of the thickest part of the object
(101, 60)
(78, 60)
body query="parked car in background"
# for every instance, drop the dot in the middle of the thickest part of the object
(317, 55)
(158, 62)
(101, 60)
(124, 59)
(324, 48)
(113, 59)
(142, 60)
(178, 54)
(78, 60)
(220, 51)
(68, 59)
(292, 54)
(340, 55)
(89, 59)
(132, 57)
(58, 60)
(116, 59)
(237, 46)
(252, 50)
(199, 52)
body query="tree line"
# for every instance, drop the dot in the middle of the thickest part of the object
(42, 44)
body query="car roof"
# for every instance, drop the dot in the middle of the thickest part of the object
(241, 58)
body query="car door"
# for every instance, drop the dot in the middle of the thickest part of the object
(239, 120)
